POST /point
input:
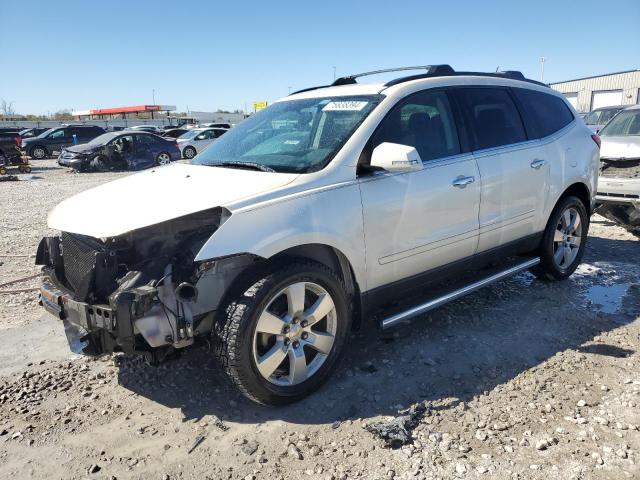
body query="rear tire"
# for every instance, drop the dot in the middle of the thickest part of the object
(564, 240)
(163, 158)
(189, 152)
(281, 338)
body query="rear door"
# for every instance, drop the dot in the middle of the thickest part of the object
(513, 169)
(203, 139)
(418, 221)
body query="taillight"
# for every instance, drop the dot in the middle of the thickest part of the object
(177, 146)
(19, 141)
(596, 138)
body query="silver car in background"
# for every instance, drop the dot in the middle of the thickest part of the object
(598, 118)
(619, 181)
(194, 141)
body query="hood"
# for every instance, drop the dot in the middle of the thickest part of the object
(620, 147)
(158, 195)
(83, 148)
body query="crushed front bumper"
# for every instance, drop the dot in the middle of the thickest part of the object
(94, 329)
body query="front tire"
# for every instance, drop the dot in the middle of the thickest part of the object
(564, 240)
(38, 152)
(281, 338)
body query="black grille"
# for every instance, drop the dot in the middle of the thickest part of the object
(79, 260)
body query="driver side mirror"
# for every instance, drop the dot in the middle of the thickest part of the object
(394, 157)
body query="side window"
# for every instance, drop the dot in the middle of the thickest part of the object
(424, 121)
(204, 135)
(58, 134)
(145, 140)
(548, 112)
(495, 120)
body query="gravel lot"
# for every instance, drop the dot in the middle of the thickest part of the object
(522, 380)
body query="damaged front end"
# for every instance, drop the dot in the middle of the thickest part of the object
(619, 192)
(140, 292)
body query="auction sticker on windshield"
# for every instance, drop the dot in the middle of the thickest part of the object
(353, 105)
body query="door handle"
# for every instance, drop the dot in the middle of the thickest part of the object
(462, 182)
(537, 163)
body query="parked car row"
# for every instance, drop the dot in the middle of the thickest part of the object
(91, 148)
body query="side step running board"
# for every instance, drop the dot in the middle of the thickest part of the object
(455, 294)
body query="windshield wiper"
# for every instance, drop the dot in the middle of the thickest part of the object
(255, 166)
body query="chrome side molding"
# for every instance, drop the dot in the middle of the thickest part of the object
(455, 294)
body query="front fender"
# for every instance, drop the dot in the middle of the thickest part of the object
(331, 216)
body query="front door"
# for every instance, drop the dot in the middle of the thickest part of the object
(418, 221)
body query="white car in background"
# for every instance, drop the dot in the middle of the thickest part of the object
(197, 139)
(619, 182)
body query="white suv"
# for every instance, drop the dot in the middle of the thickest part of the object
(334, 208)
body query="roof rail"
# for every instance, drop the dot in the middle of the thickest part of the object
(511, 74)
(443, 70)
(431, 69)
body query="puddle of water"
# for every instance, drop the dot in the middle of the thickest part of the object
(607, 298)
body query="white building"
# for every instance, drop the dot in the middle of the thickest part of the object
(589, 93)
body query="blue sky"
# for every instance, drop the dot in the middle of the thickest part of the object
(207, 55)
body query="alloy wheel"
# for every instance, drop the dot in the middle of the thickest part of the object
(567, 238)
(189, 152)
(295, 334)
(164, 159)
(38, 153)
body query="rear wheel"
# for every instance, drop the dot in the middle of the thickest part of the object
(189, 152)
(163, 159)
(281, 339)
(564, 240)
(38, 152)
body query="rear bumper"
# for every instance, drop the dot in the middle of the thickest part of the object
(618, 190)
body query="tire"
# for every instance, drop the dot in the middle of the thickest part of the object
(260, 364)
(163, 158)
(38, 152)
(3, 170)
(189, 152)
(559, 254)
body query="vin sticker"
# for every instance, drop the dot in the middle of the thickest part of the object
(345, 106)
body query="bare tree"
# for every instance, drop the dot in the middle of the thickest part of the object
(7, 108)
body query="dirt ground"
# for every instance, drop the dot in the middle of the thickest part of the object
(522, 380)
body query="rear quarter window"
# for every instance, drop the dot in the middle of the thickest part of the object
(547, 113)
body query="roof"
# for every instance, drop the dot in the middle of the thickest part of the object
(596, 76)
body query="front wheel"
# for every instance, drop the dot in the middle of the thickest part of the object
(38, 152)
(281, 339)
(564, 240)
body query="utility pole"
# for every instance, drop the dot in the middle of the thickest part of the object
(542, 60)
(334, 74)
(289, 90)
(153, 93)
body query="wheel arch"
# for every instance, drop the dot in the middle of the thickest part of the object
(336, 261)
(580, 190)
